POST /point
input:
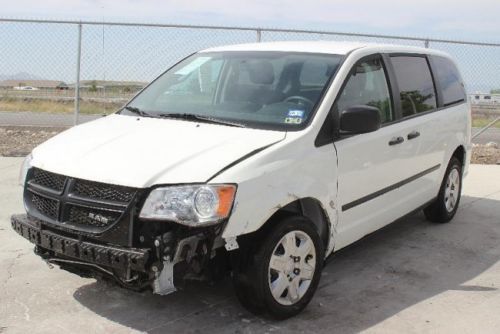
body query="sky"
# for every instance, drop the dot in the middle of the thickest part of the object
(457, 19)
(140, 54)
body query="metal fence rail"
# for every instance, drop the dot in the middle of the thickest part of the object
(81, 69)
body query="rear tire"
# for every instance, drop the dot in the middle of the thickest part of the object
(445, 206)
(282, 272)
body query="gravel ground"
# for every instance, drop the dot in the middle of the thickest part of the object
(488, 154)
(19, 141)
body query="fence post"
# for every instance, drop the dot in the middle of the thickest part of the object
(77, 82)
(259, 35)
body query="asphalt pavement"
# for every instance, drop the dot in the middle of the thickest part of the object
(34, 119)
(488, 136)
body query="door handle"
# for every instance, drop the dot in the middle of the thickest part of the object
(413, 134)
(396, 140)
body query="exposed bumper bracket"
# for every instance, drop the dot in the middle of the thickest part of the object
(103, 255)
(164, 279)
(231, 244)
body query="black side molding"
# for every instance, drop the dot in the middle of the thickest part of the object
(381, 192)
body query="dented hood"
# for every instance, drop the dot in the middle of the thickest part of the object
(141, 152)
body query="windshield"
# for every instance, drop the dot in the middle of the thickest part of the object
(277, 90)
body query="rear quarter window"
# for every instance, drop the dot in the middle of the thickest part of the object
(450, 80)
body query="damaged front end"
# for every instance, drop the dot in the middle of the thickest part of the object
(94, 230)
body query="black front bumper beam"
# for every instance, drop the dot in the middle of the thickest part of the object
(103, 255)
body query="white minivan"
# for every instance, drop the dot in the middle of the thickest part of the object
(258, 160)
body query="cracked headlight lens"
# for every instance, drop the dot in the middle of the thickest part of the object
(192, 205)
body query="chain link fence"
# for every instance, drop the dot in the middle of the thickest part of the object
(59, 73)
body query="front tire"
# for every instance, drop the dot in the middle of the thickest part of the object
(283, 271)
(445, 206)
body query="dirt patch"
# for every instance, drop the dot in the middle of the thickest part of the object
(488, 154)
(19, 141)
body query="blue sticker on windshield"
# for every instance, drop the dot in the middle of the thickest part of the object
(294, 116)
(296, 113)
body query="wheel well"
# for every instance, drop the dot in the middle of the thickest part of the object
(311, 209)
(459, 153)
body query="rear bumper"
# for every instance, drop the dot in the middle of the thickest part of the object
(107, 256)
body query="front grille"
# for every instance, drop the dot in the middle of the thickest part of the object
(102, 191)
(48, 180)
(78, 204)
(92, 217)
(45, 206)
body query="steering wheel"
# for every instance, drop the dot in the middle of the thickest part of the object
(299, 100)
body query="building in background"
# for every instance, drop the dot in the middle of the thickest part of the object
(481, 98)
(36, 84)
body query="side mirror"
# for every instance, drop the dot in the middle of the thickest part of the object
(360, 119)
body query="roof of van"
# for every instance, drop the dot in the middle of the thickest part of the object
(328, 47)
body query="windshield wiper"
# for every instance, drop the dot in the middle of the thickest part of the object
(199, 118)
(138, 111)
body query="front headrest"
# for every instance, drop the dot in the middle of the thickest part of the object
(261, 72)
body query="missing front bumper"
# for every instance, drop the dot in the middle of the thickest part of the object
(118, 258)
(185, 258)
